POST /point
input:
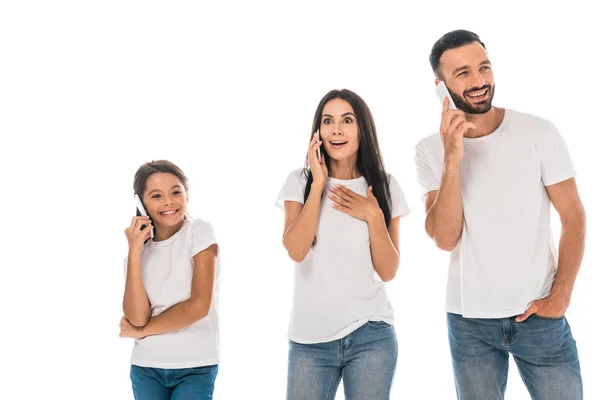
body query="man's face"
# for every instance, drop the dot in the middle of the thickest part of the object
(467, 72)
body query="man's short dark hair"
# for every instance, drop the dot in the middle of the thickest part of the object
(450, 40)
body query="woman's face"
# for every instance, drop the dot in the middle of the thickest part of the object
(339, 129)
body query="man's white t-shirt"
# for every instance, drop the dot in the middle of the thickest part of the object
(336, 288)
(167, 269)
(506, 257)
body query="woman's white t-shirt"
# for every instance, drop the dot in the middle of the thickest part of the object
(336, 288)
(167, 269)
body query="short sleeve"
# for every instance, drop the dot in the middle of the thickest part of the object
(293, 188)
(399, 205)
(555, 160)
(202, 235)
(427, 179)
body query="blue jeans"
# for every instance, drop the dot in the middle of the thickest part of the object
(174, 384)
(366, 359)
(543, 349)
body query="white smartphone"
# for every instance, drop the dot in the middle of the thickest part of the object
(142, 211)
(319, 148)
(442, 91)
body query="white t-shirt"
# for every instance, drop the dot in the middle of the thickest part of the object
(336, 288)
(167, 269)
(506, 257)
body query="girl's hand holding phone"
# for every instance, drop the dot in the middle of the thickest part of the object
(136, 236)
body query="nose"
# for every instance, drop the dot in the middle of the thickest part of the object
(337, 128)
(478, 80)
(168, 200)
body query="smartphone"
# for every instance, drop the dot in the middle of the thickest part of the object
(319, 148)
(442, 91)
(142, 211)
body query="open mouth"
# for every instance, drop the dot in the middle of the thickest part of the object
(478, 95)
(169, 213)
(338, 144)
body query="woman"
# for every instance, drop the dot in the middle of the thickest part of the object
(342, 222)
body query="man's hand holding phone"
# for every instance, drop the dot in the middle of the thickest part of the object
(316, 161)
(443, 93)
(453, 126)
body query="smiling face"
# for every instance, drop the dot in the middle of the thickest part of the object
(339, 130)
(467, 72)
(165, 199)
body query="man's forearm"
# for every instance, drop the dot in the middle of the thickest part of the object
(570, 254)
(444, 220)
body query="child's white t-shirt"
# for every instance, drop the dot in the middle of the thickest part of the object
(336, 288)
(167, 269)
(505, 258)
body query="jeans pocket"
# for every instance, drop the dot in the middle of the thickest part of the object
(378, 324)
(548, 318)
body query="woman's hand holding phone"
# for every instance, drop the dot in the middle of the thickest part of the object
(318, 168)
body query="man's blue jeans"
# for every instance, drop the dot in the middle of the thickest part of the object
(543, 349)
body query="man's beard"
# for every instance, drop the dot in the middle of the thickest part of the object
(469, 108)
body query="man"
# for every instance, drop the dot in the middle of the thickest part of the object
(488, 178)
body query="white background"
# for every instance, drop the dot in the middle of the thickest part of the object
(91, 90)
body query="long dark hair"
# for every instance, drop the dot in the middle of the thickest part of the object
(369, 162)
(152, 167)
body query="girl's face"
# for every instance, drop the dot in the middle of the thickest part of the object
(165, 199)
(339, 129)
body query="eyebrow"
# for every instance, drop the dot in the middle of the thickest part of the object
(158, 190)
(343, 115)
(459, 69)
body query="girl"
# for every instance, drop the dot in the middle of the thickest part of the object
(342, 221)
(170, 301)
